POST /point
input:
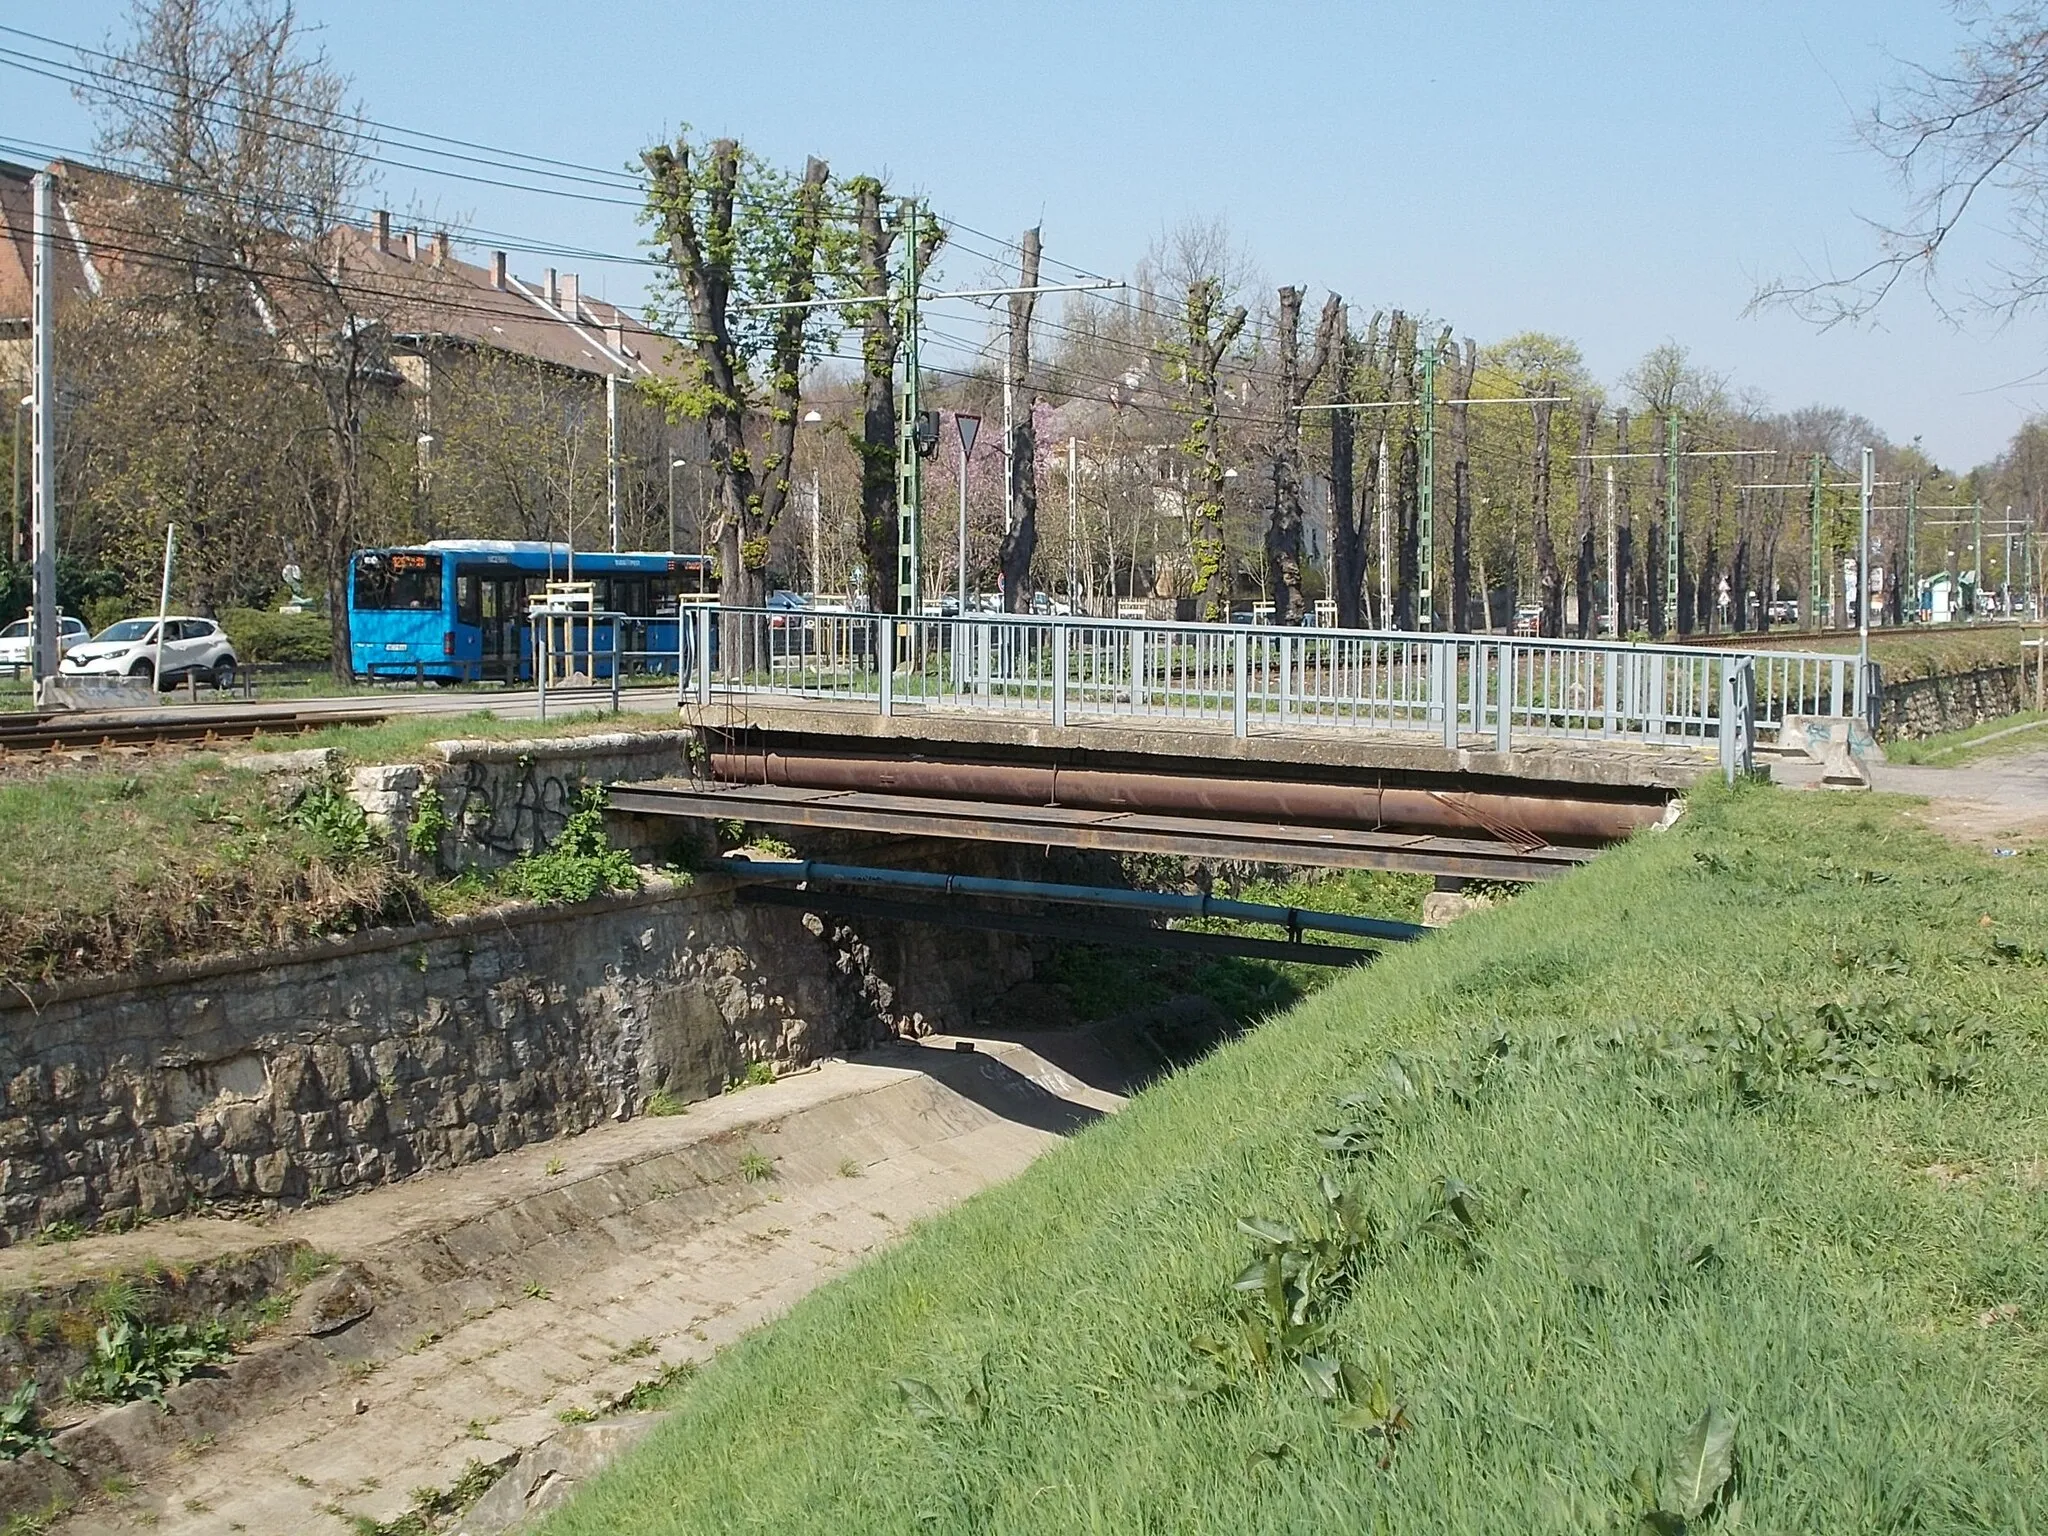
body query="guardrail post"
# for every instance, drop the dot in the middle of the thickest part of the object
(1059, 676)
(1738, 716)
(885, 665)
(1611, 680)
(1286, 675)
(1835, 679)
(703, 653)
(1504, 699)
(1240, 666)
(1444, 683)
(1139, 692)
(1653, 726)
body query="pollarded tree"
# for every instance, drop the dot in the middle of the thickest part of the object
(737, 237)
(1207, 339)
(1020, 540)
(1283, 531)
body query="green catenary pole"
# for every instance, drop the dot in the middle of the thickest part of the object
(1816, 594)
(1672, 515)
(1912, 589)
(1977, 556)
(909, 466)
(1425, 505)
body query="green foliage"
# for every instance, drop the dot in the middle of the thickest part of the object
(662, 1102)
(293, 639)
(432, 1507)
(756, 1167)
(332, 816)
(430, 823)
(580, 864)
(134, 1360)
(21, 1425)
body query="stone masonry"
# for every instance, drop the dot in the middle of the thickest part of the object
(310, 1073)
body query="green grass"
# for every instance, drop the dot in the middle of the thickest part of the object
(2013, 733)
(406, 737)
(1746, 1114)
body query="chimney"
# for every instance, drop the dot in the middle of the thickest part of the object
(551, 288)
(569, 296)
(384, 230)
(440, 248)
(412, 245)
(615, 335)
(498, 270)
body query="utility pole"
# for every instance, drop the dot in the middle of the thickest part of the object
(1380, 500)
(1613, 561)
(1816, 594)
(43, 428)
(1009, 430)
(1425, 501)
(1863, 576)
(909, 466)
(817, 536)
(1977, 558)
(1672, 516)
(611, 454)
(1073, 514)
(1912, 547)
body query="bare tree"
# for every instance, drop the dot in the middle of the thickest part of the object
(1020, 539)
(1582, 519)
(1347, 547)
(1283, 531)
(1549, 582)
(1964, 142)
(732, 230)
(1465, 372)
(1624, 532)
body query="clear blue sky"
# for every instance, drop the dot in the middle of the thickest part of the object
(1617, 173)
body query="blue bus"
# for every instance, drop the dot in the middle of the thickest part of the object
(455, 610)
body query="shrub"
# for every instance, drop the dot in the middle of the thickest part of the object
(296, 639)
(580, 865)
(333, 816)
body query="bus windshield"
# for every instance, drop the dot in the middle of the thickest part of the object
(398, 579)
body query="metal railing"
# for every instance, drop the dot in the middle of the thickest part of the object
(1469, 691)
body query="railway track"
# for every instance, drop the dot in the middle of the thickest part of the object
(56, 730)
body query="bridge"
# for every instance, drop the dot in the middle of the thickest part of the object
(1461, 756)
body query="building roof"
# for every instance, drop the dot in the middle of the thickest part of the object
(442, 298)
(435, 295)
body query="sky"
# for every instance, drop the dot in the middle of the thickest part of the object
(1619, 174)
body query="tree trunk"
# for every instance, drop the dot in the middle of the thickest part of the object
(1205, 344)
(1407, 474)
(1549, 580)
(1020, 541)
(1462, 379)
(875, 447)
(1347, 548)
(1283, 530)
(1624, 534)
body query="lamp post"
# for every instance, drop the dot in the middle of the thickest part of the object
(673, 466)
(966, 426)
(1224, 571)
(811, 419)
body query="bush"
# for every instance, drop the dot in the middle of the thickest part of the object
(131, 1360)
(581, 864)
(297, 639)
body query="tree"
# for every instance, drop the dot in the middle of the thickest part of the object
(1549, 582)
(1464, 372)
(1283, 531)
(1020, 539)
(1963, 142)
(1582, 520)
(248, 160)
(1347, 546)
(1207, 337)
(736, 234)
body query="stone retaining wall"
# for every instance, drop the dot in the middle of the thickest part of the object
(306, 1074)
(1927, 706)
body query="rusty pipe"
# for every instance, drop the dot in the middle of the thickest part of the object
(1529, 819)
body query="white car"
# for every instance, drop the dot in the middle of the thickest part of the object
(14, 640)
(191, 648)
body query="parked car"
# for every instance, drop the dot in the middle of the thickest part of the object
(1783, 611)
(1528, 619)
(191, 648)
(14, 639)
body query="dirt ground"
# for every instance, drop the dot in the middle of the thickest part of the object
(1994, 802)
(528, 1292)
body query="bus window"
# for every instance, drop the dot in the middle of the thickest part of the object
(661, 595)
(469, 597)
(626, 595)
(398, 579)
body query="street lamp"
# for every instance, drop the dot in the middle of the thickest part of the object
(811, 419)
(966, 426)
(673, 466)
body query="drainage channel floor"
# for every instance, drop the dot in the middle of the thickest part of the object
(546, 1282)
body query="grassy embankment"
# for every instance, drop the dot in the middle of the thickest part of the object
(1745, 1119)
(178, 855)
(1991, 738)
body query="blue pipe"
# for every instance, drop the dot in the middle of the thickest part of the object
(1293, 919)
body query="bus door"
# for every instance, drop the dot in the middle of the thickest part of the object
(501, 617)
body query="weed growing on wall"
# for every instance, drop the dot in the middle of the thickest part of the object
(580, 865)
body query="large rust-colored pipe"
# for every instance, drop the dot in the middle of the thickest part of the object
(1516, 818)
